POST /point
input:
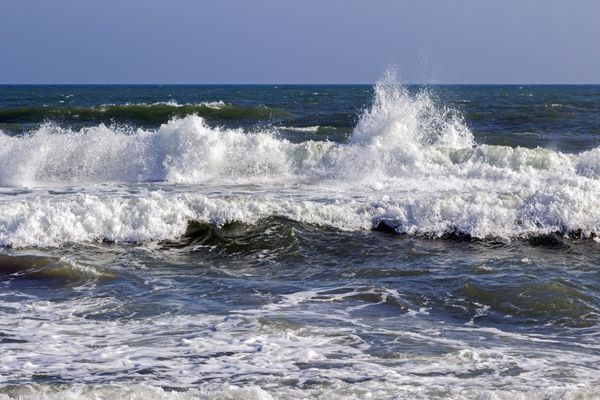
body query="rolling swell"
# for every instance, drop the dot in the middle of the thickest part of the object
(48, 269)
(140, 114)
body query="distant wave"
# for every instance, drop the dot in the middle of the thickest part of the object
(411, 166)
(310, 129)
(399, 136)
(154, 113)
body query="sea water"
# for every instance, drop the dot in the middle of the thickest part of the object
(276, 242)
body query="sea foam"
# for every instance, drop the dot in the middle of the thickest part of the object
(411, 165)
(206, 356)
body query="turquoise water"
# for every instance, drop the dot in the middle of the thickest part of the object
(299, 242)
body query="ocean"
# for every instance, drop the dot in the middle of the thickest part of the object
(300, 242)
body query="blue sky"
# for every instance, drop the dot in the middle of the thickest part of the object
(299, 41)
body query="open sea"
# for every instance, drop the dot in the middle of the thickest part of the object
(300, 242)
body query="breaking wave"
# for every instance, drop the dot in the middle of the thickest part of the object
(142, 113)
(411, 166)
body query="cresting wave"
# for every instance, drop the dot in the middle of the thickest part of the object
(410, 165)
(138, 113)
(49, 268)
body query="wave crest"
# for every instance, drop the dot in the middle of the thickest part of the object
(141, 113)
(410, 165)
(398, 118)
(391, 138)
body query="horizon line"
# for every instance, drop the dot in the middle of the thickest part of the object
(302, 84)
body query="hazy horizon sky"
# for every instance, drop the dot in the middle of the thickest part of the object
(309, 41)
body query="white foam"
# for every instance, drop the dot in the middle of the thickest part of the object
(153, 216)
(410, 163)
(256, 354)
(171, 103)
(301, 128)
(232, 392)
(95, 392)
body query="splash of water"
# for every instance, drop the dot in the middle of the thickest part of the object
(410, 164)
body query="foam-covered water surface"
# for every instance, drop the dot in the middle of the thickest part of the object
(299, 242)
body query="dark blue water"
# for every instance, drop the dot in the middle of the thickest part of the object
(299, 242)
(562, 117)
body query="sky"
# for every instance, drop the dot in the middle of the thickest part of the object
(299, 41)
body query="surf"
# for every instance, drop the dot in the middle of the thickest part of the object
(411, 166)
